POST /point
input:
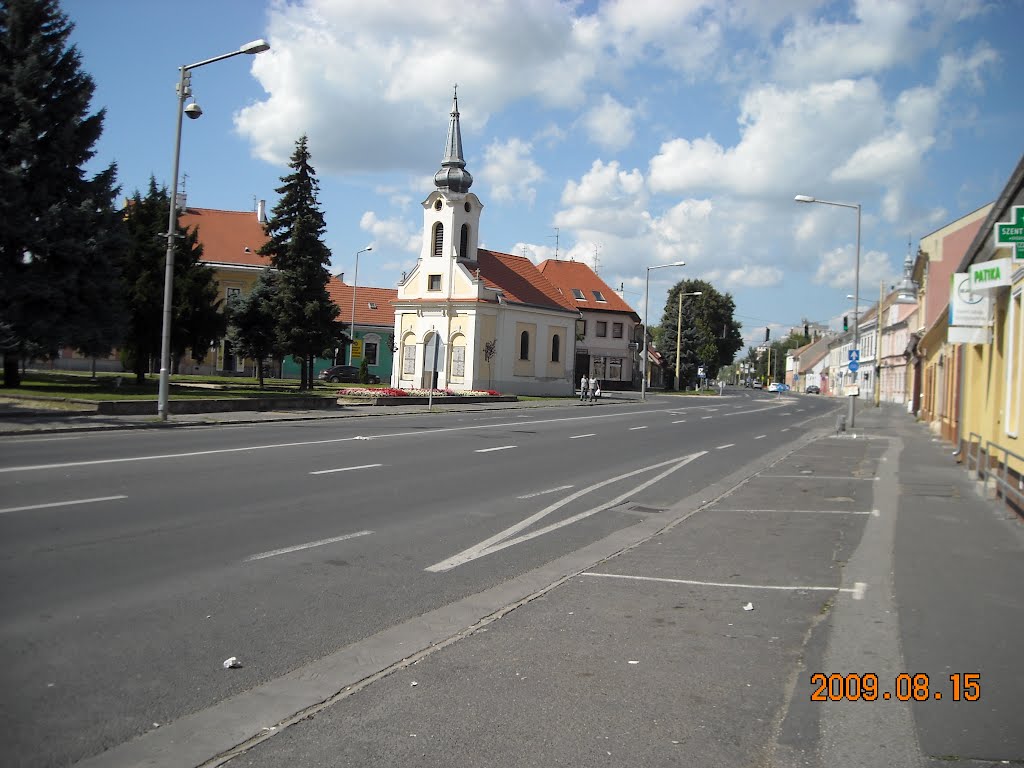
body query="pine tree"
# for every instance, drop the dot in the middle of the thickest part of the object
(252, 328)
(48, 265)
(306, 315)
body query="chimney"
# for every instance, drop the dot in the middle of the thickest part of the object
(261, 212)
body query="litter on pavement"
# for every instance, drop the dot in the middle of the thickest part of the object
(232, 663)
(748, 607)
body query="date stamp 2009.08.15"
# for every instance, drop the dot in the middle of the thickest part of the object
(963, 686)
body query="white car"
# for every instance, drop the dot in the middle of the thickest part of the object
(774, 387)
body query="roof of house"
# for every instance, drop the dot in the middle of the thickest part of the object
(571, 276)
(373, 305)
(518, 278)
(228, 237)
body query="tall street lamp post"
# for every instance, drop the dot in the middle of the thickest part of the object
(679, 330)
(643, 343)
(856, 287)
(355, 284)
(193, 111)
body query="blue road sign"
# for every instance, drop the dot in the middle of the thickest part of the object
(853, 356)
(854, 365)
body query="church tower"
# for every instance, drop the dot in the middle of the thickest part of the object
(451, 213)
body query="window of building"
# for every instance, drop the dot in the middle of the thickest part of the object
(616, 330)
(524, 346)
(458, 361)
(602, 329)
(433, 282)
(581, 330)
(598, 296)
(615, 368)
(370, 352)
(438, 238)
(464, 241)
(408, 359)
(372, 305)
(556, 351)
(578, 294)
(233, 292)
(599, 367)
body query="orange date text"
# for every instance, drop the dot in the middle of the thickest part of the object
(962, 686)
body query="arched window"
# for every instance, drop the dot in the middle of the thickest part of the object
(524, 346)
(438, 239)
(556, 343)
(464, 241)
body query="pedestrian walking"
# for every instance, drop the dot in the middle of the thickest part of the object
(584, 388)
(592, 385)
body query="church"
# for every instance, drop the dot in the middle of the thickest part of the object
(490, 320)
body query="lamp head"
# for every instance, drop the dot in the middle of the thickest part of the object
(256, 46)
(804, 199)
(194, 111)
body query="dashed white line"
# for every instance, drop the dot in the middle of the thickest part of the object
(857, 590)
(498, 448)
(542, 493)
(634, 429)
(310, 545)
(681, 421)
(707, 417)
(61, 504)
(786, 429)
(727, 445)
(761, 437)
(577, 437)
(345, 469)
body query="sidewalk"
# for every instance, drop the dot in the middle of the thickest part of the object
(690, 638)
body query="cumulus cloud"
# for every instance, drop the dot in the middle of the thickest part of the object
(511, 171)
(396, 233)
(610, 123)
(837, 269)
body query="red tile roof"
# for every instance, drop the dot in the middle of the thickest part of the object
(382, 298)
(567, 275)
(228, 237)
(519, 279)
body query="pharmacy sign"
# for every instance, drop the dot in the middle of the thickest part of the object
(987, 275)
(1011, 234)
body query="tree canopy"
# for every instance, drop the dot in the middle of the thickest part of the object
(708, 334)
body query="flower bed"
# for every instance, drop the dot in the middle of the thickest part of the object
(392, 396)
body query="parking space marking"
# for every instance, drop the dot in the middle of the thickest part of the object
(857, 590)
(345, 469)
(817, 477)
(309, 545)
(804, 511)
(727, 445)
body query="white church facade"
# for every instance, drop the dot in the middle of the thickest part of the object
(497, 322)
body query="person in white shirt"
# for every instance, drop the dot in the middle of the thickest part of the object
(584, 387)
(593, 386)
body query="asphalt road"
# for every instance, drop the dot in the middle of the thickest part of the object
(133, 563)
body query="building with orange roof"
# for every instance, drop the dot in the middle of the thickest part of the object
(491, 320)
(605, 346)
(374, 324)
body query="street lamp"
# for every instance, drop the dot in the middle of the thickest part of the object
(647, 295)
(193, 111)
(856, 284)
(679, 333)
(355, 283)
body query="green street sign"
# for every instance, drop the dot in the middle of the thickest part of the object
(1011, 234)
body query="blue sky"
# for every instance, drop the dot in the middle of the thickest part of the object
(644, 131)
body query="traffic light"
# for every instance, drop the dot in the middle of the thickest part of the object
(767, 333)
(846, 323)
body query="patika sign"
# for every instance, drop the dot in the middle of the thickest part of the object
(987, 275)
(1010, 234)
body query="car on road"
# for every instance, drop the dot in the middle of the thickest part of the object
(813, 389)
(346, 373)
(757, 385)
(776, 387)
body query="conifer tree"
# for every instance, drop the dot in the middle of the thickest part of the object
(306, 315)
(252, 328)
(51, 265)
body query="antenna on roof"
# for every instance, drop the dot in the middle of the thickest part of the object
(597, 247)
(556, 242)
(524, 251)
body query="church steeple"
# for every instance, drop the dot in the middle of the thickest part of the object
(453, 176)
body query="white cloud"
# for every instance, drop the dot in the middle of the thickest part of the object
(754, 276)
(610, 123)
(511, 171)
(837, 269)
(393, 232)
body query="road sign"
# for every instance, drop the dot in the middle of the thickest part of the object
(854, 365)
(1010, 234)
(357, 348)
(853, 356)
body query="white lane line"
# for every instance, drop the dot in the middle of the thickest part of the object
(857, 590)
(345, 469)
(502, 540)
(577, 437)
(761, 437)
(819, 477)
(499, 448)
(707, 417)
(786, 429)
(61, 504)
(727, 445)
(634, 429)
(42, 439)
(542, 493)
(310, 545)
(681, 421)
(805, 511)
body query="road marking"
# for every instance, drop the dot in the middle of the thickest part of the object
(345, 469)
(502, 540)
(804, 511)
(577, 437)
(633, 429)
(761, 437)
(42, 439)
(857, 590)
(498, 448)
(542, 493)
(61, 504)
(681, 421)
(707, 417)
(787, 428)
(819, 477)
(727, 445)
(310, 545)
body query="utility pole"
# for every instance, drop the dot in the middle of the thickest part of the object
(679, 333)
(878, 346)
